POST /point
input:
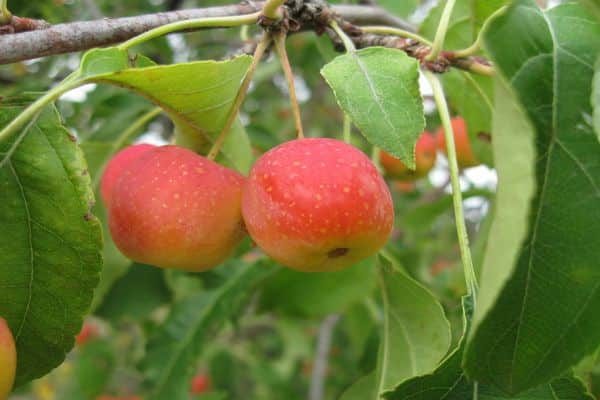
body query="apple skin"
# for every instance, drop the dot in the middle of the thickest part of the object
(89, 332)
(117, 164)
(200, 384)
(8, 359)
(464, 154)
(172, 208)
(317, 205)
(425, 159)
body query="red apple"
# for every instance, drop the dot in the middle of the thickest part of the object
(425, 159)
(172, 208)
(200, 384)
(464, 155)
(117, 164)
(8, 359)
(317, 205)
(89, 331)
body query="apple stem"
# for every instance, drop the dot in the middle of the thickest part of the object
(388, 30)
(440, 34)
(265, 41)
(124, 138)
(279, 40)
(271, 9)
(5, 14)
(225, 22)
(461, 229)
(476, 46)
(348, 43)
(347, 128)
(37, 106)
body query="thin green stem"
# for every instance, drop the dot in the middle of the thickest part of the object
(271, 9)
(348, 43)
(461, 228)
(37, 106)
(5, 14)
(125, 136)
(244, 33)
(239, 98)
(279, 40)
(347, 128)
(481, 69)
(388, 30)
(440, 34)
(476, 46)
(219, 22)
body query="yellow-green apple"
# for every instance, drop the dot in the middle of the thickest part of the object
(464, 154)
(317, 205)
(425, 154)
(172, 208)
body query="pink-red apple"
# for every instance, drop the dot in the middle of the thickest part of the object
(8, 359)
(200, 384)
(464, 154)
(172, 208)
(317, 205)
(117, 164)
(425, 152)
(89, 331)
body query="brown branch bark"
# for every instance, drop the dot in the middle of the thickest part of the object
(78, 36)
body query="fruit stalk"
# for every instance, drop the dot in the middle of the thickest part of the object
(461, 228)
(279, 40)
(241, 95)
(440, 34)
(217, 22)
(271, 9)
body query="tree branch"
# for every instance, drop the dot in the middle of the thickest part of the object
(317, 382)
(78, 36)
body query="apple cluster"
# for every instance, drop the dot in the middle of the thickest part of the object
(426, 153)
(310, 204)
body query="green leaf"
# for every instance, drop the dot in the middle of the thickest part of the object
(402, 8)
(197, 96)
(416, 334)
(174, 349)
(449, 382)
(379, 89)
(50, 242)
(596, 98)
(540, 295)
(319, 294)
(471, 97)
(362, 389)
(136, 294)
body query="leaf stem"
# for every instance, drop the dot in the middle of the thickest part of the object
(271, 9)
(476, 46)
(440, 34)
(37, 106)
(461, 228)
(348, 43)
(5, 14)
(241, 95)
(347, 128)
(388, 30)
(279, 40)
(218, 22)
(125, 136)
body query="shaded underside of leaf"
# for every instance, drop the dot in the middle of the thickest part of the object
(50, 242)
(539, 312)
